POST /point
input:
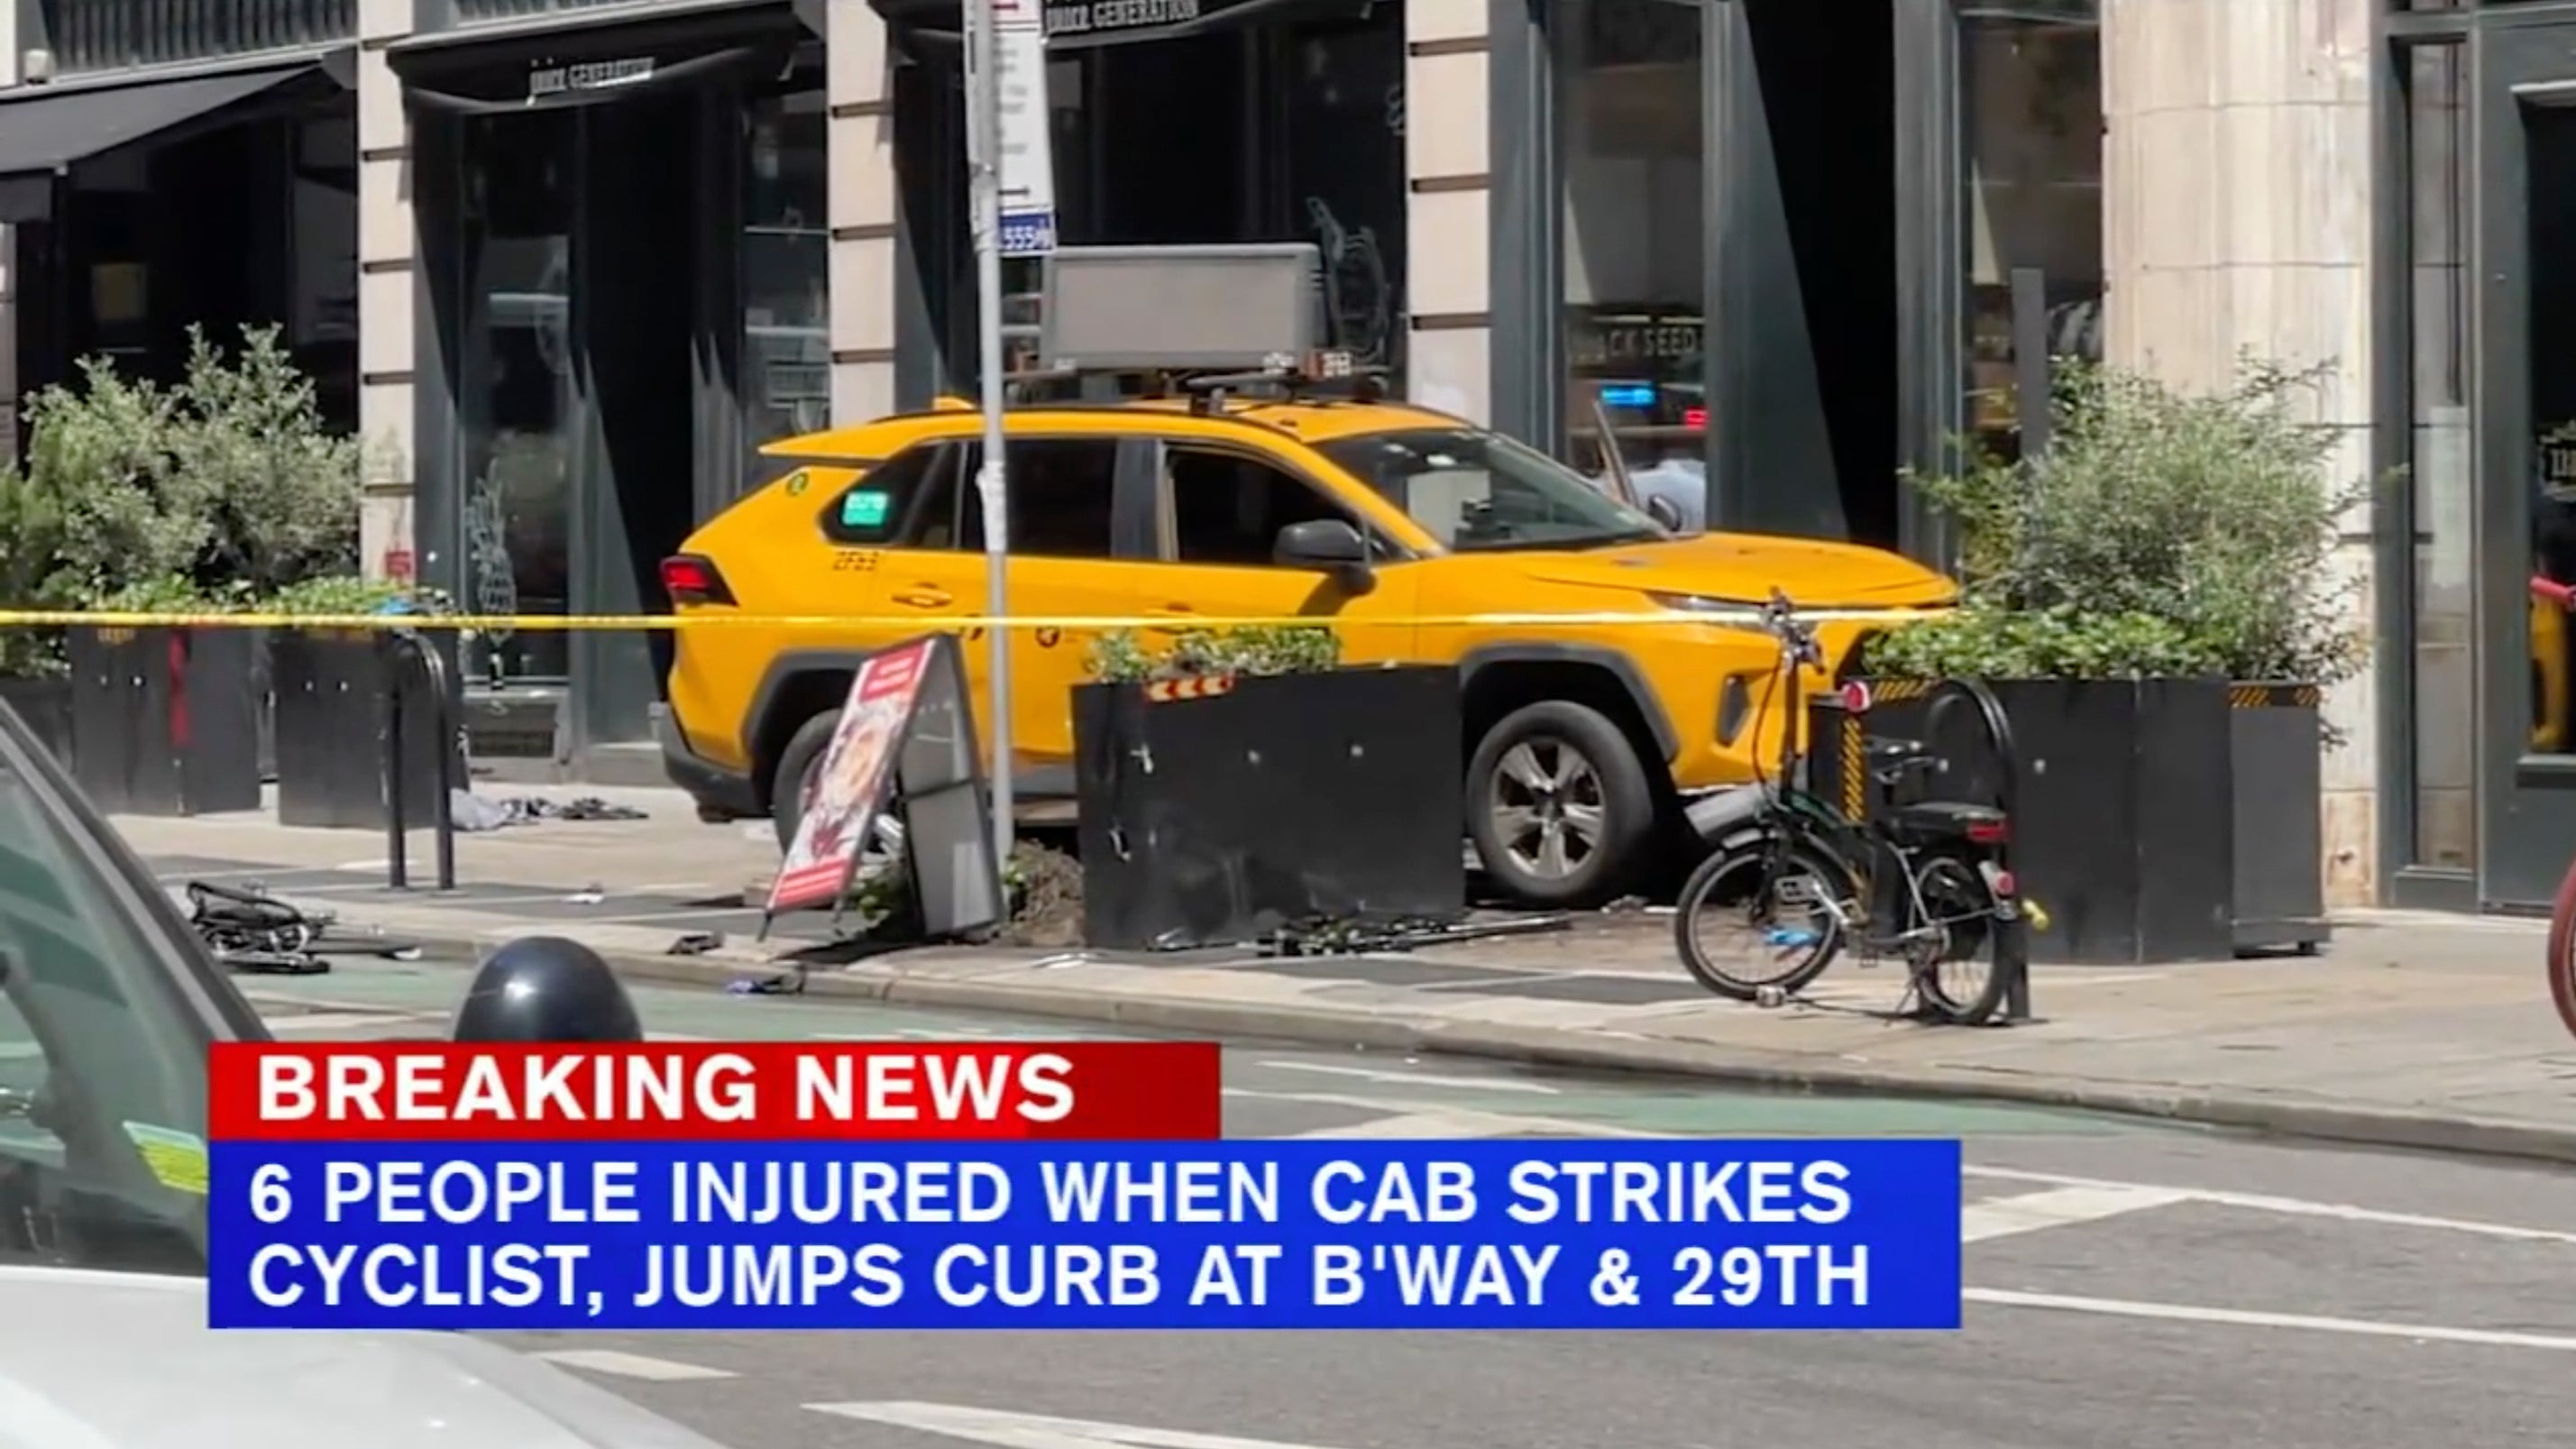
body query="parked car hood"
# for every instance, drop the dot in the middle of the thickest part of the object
(125, 1361)
(1746, 567)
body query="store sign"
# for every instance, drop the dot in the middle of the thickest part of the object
(1096, 16)
(1028, 156)
(597, 75)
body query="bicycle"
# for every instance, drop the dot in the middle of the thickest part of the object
(2562, 949)
(1925, 881)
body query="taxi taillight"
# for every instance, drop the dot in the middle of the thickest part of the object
(691, 579)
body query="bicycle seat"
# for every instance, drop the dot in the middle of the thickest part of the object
(1933, 822)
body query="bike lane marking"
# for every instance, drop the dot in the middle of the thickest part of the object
(2257, 1318)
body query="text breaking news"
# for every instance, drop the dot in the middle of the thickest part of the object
(811, 1187)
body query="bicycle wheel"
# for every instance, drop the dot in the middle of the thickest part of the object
(1947, 975)
(2562, 949)
(1776, 907)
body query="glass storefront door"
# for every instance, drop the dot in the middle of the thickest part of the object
(516, 400)
(2527, 462)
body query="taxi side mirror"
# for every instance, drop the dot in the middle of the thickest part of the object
(1330, 545)
(1666, 512)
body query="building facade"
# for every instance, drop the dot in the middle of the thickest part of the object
(588, 254)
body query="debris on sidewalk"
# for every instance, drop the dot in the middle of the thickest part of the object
(477, 813)
(1324, 936)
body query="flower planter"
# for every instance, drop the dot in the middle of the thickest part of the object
(2156, 820)
(332, 707)
(167, 720)
(1217, 818)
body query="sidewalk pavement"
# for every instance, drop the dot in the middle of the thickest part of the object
(2412, 1030)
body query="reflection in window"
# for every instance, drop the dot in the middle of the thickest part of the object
(519, 424)
(1228, 509)
(786, 273)
(2551, 187)
(2438, 192)
(1631, 149)
(2032, 107)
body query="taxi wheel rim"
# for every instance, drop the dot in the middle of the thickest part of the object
(1548, 807)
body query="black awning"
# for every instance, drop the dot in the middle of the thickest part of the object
(520, 67)
(43, 131)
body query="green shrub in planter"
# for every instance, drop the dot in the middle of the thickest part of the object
(2153, 598)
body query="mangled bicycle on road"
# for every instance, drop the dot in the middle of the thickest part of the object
(1790, 884)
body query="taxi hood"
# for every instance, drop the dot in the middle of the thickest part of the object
(125, 1361)
(1747, 566)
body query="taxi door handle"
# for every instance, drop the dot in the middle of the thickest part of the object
(1177, 617)
(925, 597)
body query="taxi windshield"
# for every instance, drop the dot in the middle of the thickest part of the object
(102, 1053)
(1473, 490)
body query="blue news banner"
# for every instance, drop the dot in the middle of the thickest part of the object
(1242, 1234)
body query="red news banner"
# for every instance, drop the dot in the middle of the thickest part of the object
(784, 1091)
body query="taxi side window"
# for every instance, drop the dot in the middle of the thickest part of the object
(1228, 508)
(1063, 492)
(882, 507)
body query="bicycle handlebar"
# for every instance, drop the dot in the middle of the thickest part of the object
(1780, 618)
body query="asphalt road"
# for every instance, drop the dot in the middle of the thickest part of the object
(2129, 1286)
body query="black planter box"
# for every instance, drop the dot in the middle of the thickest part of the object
(46, 706)
(2157, 820)
(332, 711)
(167, 720)
(1218, 819)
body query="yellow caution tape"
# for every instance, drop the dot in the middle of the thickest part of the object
(1747, 617)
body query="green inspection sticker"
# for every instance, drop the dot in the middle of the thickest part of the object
(866, 508)
(176, 1160)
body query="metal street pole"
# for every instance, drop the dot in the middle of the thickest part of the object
(984, 154)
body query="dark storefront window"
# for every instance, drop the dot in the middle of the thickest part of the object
(786, 273)
(248, 225)
(2550, 141)
(1286, 128)
(2439, 464)
(2031, 110)
(516, 404)
(1630, 101)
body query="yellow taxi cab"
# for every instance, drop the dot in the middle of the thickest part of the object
(1390, 522)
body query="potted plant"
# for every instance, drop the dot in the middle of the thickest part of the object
(2153, 600)
(1236, 781)
(333, 697)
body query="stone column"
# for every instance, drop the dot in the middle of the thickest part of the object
(2237, 218)
(860, 93)
(1448, 226)
(387, 250)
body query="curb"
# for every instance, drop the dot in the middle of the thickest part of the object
(2300, 1117)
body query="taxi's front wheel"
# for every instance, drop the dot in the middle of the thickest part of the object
(1558, 805)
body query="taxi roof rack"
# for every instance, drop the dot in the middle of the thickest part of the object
(1329, 376)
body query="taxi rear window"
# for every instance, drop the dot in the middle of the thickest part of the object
(876, 507)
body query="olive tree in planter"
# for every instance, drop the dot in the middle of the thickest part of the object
(1237, 781)
(2152, 597)
(222, 488)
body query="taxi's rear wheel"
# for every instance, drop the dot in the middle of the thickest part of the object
(1559, 806)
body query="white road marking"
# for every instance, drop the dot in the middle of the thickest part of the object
(632, 1365)
(1035, 1431)
(2288, 1206)
(2252, 1318)
(2057, 1207)
(322, 1023)
(1415, 1079)
(1417, 1126)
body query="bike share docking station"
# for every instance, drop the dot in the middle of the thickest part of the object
(1960, 733)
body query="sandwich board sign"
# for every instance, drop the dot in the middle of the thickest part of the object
(907, 736)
